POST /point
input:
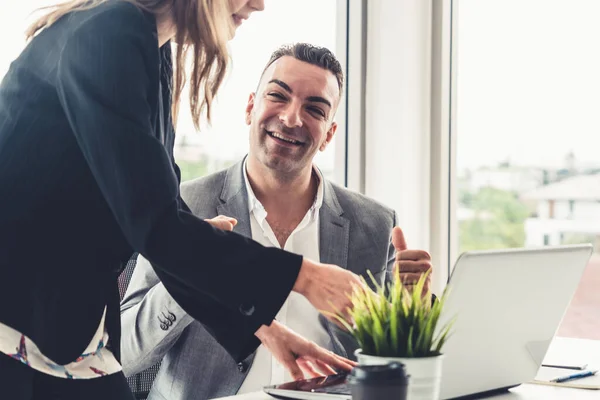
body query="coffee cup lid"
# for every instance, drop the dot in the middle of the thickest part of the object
(391, 372)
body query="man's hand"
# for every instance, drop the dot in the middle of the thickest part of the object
(299, 356)
(412, 264)
(222, 222)
(328, 288)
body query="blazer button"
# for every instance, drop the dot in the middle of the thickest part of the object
(242, 367)
(247, 309)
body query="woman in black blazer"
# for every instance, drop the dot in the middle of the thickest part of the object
(87, 177)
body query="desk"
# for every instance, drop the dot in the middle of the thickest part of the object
(584, 350)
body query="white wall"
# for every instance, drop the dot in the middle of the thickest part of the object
(407, 119)
(586, 210)
(582, 210)
(585, 219)
(543, 209)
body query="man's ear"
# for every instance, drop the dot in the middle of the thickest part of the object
(329, 137)
(249, 108)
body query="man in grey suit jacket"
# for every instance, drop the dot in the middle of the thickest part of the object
(277, 197)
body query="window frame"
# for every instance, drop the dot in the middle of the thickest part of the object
(444, 224)
(351, 50)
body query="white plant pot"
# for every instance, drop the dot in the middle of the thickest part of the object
(425, 373)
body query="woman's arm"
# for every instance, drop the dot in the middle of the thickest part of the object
(107, 82)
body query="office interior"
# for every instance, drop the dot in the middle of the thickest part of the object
(475, 120)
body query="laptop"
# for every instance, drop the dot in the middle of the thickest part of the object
(508, 305)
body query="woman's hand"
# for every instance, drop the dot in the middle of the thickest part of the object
(302, 358)
(328, 288)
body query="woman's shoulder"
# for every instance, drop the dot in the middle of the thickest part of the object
(115, 26)
(114, 17)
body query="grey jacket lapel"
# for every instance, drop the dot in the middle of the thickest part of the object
(334, 229)
(234, 199)
(334, 238)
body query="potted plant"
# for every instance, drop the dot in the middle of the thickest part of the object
(401, 324)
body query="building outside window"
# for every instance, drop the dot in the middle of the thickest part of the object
(528, 169)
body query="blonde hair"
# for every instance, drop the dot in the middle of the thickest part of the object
(202, 28)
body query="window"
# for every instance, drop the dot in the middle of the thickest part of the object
(571, 208)
(527, 165)
(226, 141)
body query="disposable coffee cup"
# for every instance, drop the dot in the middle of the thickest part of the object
(379, 382)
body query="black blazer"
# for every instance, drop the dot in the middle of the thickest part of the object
(87, 177)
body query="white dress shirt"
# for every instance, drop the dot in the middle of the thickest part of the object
(296, 313)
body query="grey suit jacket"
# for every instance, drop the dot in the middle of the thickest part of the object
(354, 234)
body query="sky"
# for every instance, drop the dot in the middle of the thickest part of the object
(528, 82)
(528, 76)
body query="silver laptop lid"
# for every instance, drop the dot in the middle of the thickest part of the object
(508, 304)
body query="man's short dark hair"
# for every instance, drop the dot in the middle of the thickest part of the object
(315, 55)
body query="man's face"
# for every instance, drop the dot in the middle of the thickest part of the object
(291, 114)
